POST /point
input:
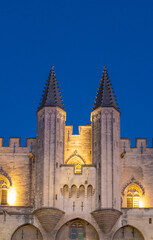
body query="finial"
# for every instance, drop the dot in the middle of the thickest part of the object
(52, 67)
(104, 67)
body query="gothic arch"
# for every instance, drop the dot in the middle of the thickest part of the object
(26, 232)
(4, 175)
(128, 232)
(133, 180)
(133, 194)
(77, 161)
(70, 228)
(5, 184)
(75, 155)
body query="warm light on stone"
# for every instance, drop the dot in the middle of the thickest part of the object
(141, 205)
(11, 196)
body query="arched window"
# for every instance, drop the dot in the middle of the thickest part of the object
(89, 190)
(4, 197)
(81, 191)
(3, 190)
(77, 231)
(133, 198)
(77, 161)
(132, 195)
(66, 191)
(73, 191)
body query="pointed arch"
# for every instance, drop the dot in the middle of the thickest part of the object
(76, 160)
(5, 184)
(132, 194)
(28, 231)
(5, 176)
(77, 229)
(77, 156)
(128, 232)
(131, 182)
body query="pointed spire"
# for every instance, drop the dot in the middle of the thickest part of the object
(105, 95)
(51, 94)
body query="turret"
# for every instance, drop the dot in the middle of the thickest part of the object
(105, 148)
(50, 142)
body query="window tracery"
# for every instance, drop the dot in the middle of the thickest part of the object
(77, 161)
(5, 184)
(133, 196)
(3, 191)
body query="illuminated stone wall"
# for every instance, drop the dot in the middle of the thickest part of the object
(79, 145)
(19, 164)
(137, 167)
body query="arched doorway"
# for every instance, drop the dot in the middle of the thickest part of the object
(77, 229)
(27, 232)
(128, 233)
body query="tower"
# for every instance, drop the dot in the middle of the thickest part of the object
(106, 153)
(50, 142)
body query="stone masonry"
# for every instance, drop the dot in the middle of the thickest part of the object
(91, 186)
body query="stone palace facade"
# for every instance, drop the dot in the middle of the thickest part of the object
(90, 186)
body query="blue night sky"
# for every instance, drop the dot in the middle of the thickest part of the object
(78, 38)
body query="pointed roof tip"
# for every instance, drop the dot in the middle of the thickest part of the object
(105, 96)
(51, 94)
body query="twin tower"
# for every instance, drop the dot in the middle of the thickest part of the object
(55, 173)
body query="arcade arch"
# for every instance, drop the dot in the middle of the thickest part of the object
(26, 232)
(128, 233)
(77, 229)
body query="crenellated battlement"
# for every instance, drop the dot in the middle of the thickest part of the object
(15, 143)
(141, 145)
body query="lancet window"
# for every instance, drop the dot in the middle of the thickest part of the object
(5, 184)
(3, 192)
(133, 195)
(133, 198)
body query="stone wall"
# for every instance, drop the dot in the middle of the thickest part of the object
(18, 163)
(137, 164)
(78, 144)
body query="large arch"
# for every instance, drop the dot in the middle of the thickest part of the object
(77, 229)
(128, 233)
(27, 232)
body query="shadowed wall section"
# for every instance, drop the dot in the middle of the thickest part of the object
(27, 232)
(128, 233)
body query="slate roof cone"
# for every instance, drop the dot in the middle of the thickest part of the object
(105, 95)
(51, 94)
